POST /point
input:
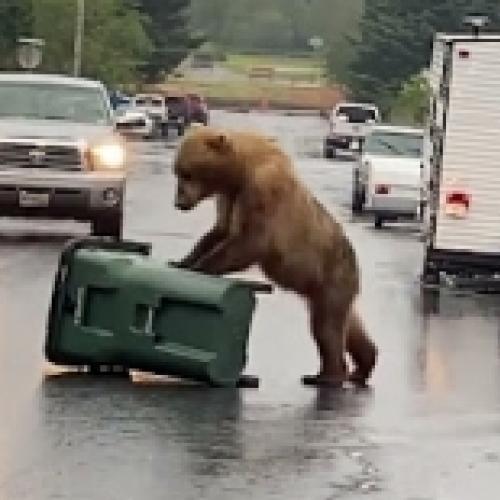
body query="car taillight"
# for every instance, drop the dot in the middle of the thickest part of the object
(382, 189)
(457, 204)
(458, 198)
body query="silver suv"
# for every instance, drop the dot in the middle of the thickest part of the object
(60, 156)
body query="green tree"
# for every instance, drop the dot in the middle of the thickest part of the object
(339, 33)
(115, 41)
(169, 31)
(395, 39)
(411, 105)
(259, 24)
(15, 22)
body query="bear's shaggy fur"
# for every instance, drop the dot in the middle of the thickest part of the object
(267, 217)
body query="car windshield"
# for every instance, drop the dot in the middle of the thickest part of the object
(53, 102)
(357, 114)
(394, 144)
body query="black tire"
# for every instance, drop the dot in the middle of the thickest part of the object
(164, 130)
(180, 130)
(379, 222)
(357, 203)
(108, 225)
(155, 132)
(358, 196)
(329, 153)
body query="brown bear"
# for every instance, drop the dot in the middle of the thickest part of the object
(267, 217)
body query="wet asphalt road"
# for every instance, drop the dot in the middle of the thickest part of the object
(429, 428)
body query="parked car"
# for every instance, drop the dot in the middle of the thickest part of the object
(349, 125)
(132, 122)
(155, 105)
(387, 180)
(178, 112)
(60, 156)
(197, 109)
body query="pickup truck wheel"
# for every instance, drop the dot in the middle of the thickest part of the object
(358, 195)
(108, 225)
(379, 222)
(155, 132)
(164, 130)
(329, 152)
(357, 203)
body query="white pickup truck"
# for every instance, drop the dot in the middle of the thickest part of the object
(387, 179)
(60, 156)
(155, 106)
(350, 123)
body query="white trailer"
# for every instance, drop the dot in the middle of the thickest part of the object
(462, 160)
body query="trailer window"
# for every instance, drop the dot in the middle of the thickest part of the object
(394, 144)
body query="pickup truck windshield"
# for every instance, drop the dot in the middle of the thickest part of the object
(53, 102)
(393, 144)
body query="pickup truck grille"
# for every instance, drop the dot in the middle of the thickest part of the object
(31, 155)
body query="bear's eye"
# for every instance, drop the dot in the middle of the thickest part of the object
(186, 176)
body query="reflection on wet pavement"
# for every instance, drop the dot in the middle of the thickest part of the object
(428, 428)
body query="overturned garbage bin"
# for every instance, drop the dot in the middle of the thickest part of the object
(114, 305)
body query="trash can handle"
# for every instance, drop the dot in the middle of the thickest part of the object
(258, 286)
(80, 303)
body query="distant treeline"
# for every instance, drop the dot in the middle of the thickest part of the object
(125, 40)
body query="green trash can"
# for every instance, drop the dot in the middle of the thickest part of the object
(113, 305)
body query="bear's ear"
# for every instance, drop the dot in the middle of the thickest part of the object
(219, 142)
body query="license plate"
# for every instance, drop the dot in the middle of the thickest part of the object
(33, 200)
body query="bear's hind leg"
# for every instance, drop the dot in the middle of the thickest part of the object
(328, 326)
(361, 349)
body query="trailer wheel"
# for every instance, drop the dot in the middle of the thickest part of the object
(430, 301)
(430, 276)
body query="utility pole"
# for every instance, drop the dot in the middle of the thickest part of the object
(79, 29)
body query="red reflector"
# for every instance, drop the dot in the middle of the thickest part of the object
(458, 198)
(382, 189)
(464, 54)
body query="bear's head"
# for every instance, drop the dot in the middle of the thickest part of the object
(205, 166)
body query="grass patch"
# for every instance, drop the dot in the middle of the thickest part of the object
(244, 92)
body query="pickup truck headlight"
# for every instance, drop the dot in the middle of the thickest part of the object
(108, 156)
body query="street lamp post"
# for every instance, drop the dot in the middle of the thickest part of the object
(317, 43)
(476, 22)
(79, 32)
